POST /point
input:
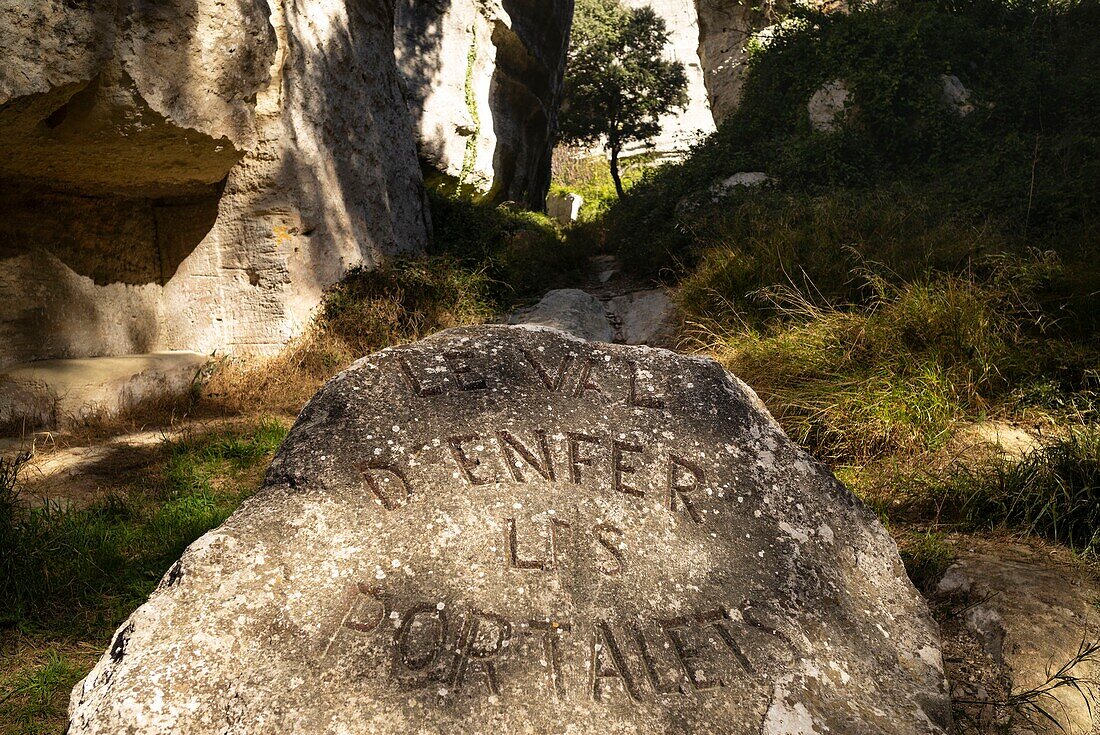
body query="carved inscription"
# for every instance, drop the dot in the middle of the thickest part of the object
(568, 375)
(513, 450)
(590, 461)
(687, 655)
(388, 484)
(543, 553)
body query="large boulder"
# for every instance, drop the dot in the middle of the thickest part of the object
(191, 175)
(506, 529)
(483, 80)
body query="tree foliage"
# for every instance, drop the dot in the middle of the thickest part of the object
(618, 83)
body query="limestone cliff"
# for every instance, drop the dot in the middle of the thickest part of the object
(191, 173)
(483, 80)
(710, 38)
(681, 129)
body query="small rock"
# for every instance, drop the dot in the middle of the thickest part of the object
(747, 179)
(956, 95)
(648, 318)
(998, 437)
(565, 208)
(570, 310)
(828, 106)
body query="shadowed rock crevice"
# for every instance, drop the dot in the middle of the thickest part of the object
(483, 81)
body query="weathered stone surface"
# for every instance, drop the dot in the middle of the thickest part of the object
(1027, 613)
(61, 393)
(571, 310)
(956, 95)
(508, 530)
(829, 105)
(483, 80)
(725, 29)
(648, 318)
(748, 179)
(190, 175)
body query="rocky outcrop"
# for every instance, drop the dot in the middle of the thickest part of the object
(725, 29)
(191, 174)
(682, 128)
(829, 106)
(483, 80)
(1021, 638)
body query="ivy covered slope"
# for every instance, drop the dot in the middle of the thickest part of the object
(919, 277)
(1024, 161)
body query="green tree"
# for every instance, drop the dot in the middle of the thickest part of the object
(617, 82)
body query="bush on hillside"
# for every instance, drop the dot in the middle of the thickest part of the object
(1027, 158)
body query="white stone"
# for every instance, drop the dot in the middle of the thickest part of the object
(828, 105)
(570, 310)
(746, 179)
(647, 318)
(564, 208)
(1030, 610)
(956, 95)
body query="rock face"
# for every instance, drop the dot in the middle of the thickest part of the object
(647, 317)
(569, 310)
(503, 529)
(484, 82)
(725, 29)
(59, 393)
(1026, 615)
(190, 175)
(683, 128)
(829, 106)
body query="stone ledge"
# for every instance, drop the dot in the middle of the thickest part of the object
(60, 393)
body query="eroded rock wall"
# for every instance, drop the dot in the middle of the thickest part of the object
(191, 174)
(483, 79)
(682, 128)
(725, 29)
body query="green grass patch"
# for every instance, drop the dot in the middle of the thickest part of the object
(1053, 492)
(892, 374)
(590, 176)
(76, 573)
(34, 694)
(521, 253)
(926, 556)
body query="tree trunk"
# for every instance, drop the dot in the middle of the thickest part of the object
(615, 171)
